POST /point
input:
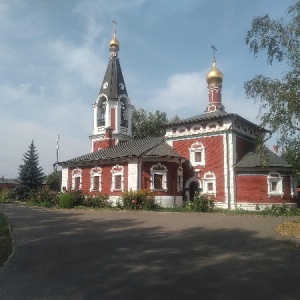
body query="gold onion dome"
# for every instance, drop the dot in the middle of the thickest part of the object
(214, 75)
(114, 43)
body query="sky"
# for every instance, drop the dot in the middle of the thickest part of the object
(54, 54)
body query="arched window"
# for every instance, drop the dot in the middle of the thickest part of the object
(209, 183)
(197, 154)
(124, 121)
(77, 179)
(117, 178)
(101, 112)
(159, 177)
(96, 179)
(275, 187)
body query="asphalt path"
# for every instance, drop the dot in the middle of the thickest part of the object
(86, 254)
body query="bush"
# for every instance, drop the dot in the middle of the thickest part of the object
(97, 201)
(66, 200)
(202, 202)
(78, 197)
(7, 195)
(43, 196)
(141, 199)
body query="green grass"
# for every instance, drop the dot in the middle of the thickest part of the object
(5, 240)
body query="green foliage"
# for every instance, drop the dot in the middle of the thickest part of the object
(7, 195)
(202, 202)
(43, 196)
(66, 200)
(4, 229)
(140, 199)
(97, 201)
(53, 181)
(279, 97)
(30, 173)
(145, 124)
(78, 197)
(5, 240)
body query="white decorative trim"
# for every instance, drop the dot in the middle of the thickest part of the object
(209, 183)
(64, 179)
(294, 182)
(179, 179)
(76, 173)
(117, 171)
(97, 171)
(160, 170)
(197, 154)
(212, 126)
(275, 186)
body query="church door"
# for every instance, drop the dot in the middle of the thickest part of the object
(194, 185)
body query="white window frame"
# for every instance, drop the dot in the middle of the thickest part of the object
(97, 171)
(275, 177)
(116, 171)
(196, 148)
(159, 169)
(209, 178)
(76, 173)
(179, 179)
(294, 182)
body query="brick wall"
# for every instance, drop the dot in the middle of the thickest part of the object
(214, 160)
(254, 189)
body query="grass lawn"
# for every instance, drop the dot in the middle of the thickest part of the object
(5, 240)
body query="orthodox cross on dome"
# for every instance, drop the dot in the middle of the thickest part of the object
(114, 43)
(115, 25)
(214, 52)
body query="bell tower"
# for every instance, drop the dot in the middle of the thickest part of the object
(112, 109)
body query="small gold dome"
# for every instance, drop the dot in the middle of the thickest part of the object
(214, 75)
(114, 43)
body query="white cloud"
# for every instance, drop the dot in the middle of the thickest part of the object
(183, 94)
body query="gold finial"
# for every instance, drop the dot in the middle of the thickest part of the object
(114, 43)
(214, 75)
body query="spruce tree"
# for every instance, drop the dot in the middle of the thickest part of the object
(31, 175)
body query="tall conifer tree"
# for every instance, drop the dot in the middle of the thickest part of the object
(31, 175)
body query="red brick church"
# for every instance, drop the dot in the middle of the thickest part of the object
(213, 152)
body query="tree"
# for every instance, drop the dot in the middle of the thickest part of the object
(280, 97)
(30, 173)
(145, 124)
(53, 181)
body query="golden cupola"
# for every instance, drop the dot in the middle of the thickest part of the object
(214, 76)
(114, 43)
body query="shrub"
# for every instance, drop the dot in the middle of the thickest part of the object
(66, 200)
(140, 199)
(97, 201)
(78, 197)
(7, 195)
(43, 196)
(202, 202)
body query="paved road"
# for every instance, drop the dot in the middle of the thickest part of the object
(76, 254)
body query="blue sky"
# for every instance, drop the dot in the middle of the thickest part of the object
(53, 56)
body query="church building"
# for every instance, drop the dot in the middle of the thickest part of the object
(213, 153)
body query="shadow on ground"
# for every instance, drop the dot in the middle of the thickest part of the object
(72, 255)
